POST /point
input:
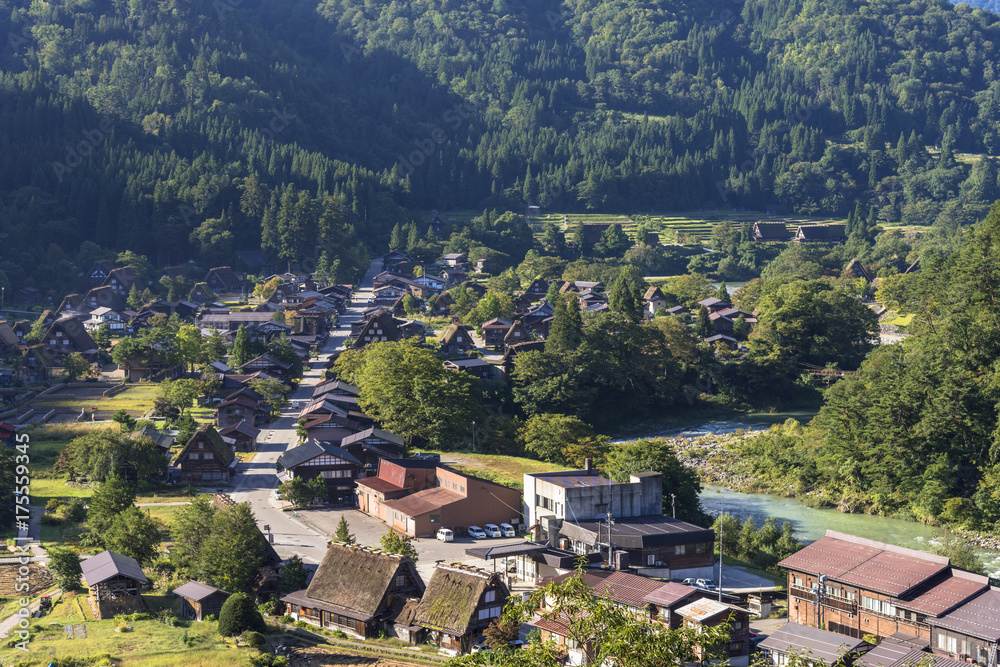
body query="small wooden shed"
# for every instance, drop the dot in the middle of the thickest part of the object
(199, 600)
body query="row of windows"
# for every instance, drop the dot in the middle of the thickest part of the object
(450, 483)
(334, 474)
(880, 606)
(489, 612)
(326, 459)
(194, 456)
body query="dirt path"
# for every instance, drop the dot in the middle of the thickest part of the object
(323, 656)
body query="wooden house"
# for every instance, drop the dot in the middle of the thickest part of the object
(873, 588)
(121, 281)
(241, 436)
(393, 260)
(714, 305)
(495, 331)
(671, 596)
(801, 644)
(114, 583)
(240, 407)
(199, 600)
(702, 614)
(338, 467)
(206, 458)
(459, 603)
(455, 259)
(201, 294)
(774, 232)
(516, 334)
(474, 366)
(223, 280)
(537, 289)
(372, 445)
(268, 364)
(67, 336)
(828, 233)
(357, 590)
(456, 340)
(971, 631)
(442, 306)
(380, 326)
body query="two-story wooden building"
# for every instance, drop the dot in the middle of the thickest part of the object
(320, 459)
(459, 603)
(114, 583)
(855, 586)
(199, 600)
(357, 590)
(206, 458)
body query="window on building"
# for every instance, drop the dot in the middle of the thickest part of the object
(490, 596)
(796, 581)
(192, 456)
(435, 518)
(946, 643)
(680, 549)
(400, 580)
(462, 488)
(209, 456)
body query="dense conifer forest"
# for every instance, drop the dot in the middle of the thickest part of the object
(196, 129)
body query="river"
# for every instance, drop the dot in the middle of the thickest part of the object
(811, 524)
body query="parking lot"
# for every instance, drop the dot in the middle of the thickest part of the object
(368, 531)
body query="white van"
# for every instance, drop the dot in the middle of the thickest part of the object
(492, 530)
(445, 535)
(508, 530)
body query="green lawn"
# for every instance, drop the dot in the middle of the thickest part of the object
(137, 400)
(150, 643)
(506, 470)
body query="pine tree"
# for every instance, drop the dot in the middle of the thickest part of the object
(704, 327)
(396, 240)
(134, 300)
(241, 348)
(566, 331)
(343, 533)
(723, 293)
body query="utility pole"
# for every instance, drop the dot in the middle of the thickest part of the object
(673, 505)
(722, 525)
(473, 435)
(611, 548)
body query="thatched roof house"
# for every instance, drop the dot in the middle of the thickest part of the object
(354, 589)
(459, 603)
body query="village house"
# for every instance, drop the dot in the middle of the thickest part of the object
(393, 260)
(107, 316)
(538, 288)
(114, 584)
(456, 340)
(199, 600)
(495, 331)
(971, 631)
(223, 280)
(765, 232)
(455, 259)
(517, 333)
(474, 366)
(707, 613)
(855, 587)
(418, 497)
(805, 645)
(893, 652)
(653, 300)
(379, 326)
(206, 458)
(372, 445)
(459, 603)
(121, 281)
(241, 406)
(827, 233)
(443, 304)
(241, 436)
(714, 305)
(357, 590)
(666, 599)
(338, 467)
(571, 508)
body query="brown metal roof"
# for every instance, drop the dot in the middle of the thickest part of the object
(669, 594)
(378, 484)
(872, 565)
(812, 644)
(947, 594)
(979, 617)
(619, 586)
(424, 501)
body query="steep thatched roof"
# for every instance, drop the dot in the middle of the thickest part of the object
(356, 579)
(452, 595)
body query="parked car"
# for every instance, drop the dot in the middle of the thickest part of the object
(421, 456)
(445, 535)
(516, 643)
(492, 530)
(508, 530)
(707, 584)
(277, 494)
(476, 532)
(476, 648)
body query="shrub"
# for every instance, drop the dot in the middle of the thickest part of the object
(239, 615)
(53, 505)
(339, 634)
(286, 619)
(76, 510)
(302, 625)
(211, 617)
(254, 639)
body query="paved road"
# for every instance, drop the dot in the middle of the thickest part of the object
(257, 479)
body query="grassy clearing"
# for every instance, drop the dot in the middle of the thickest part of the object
(137, 400)
(505, 470)
(150, 642)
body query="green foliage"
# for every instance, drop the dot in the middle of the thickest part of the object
(343, 533)
(406, 388)
(65, 566)
(122, 417)
(394, 543)
(74, 365)
(111, 498)
(102, 453)
(293, 575)
(233, 550)
(763, 547)
(627, 293)
(239, 615)
(960, 553)
(133, 533)
(550, 436)
(301, 492)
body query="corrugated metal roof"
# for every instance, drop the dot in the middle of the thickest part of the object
(811, 644)
(108, 564)
(669, 594)
(424, 501)
(892, 653)
(979, 617)
(197, 591)
(639, 532)
(872, 565)
(702, 610)
(947, 594)
(619, 586)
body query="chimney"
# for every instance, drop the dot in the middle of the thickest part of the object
(588, 464)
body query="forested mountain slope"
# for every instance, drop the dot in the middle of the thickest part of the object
(139, 125)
